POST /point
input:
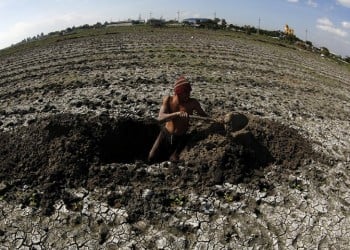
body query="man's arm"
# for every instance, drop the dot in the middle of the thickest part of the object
(199, 110)
(164, 114)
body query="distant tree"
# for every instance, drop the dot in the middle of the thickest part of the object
(223, 24)
(55, 33)
(249, 29)
(216, 20)
(156, 22)
(207, 24)
(309, 43)
(347, 59)
(291, 38)
(338, 57)
(235, 27)
(98, 25)
(171, 22)
(137, 22)
(325, 51)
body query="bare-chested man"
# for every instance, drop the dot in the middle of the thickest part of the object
(175, 111)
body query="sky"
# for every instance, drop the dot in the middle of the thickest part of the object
(326, 23)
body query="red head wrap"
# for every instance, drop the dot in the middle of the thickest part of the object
(182, 86)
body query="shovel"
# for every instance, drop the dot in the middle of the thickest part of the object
(232, 121)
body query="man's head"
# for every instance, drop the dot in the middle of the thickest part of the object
(182, 88)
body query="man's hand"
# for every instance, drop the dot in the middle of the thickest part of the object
(182, 114)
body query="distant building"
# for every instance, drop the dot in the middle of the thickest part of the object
(121, 23)
(196, 22)
(156, 22)
(125, 23)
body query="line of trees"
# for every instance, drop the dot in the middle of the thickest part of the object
(291, 38)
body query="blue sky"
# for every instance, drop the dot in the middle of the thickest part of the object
(324, 23)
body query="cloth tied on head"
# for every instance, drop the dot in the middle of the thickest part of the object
(182, 86)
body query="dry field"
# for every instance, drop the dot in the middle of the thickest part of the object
(77, 120)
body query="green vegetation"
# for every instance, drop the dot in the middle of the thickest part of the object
(178, 200)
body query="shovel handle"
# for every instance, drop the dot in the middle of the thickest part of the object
(203, 118)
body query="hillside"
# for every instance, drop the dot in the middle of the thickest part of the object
(77, 118)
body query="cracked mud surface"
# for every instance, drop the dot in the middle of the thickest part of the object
(77, 120)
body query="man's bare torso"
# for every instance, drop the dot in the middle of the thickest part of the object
(179, 125)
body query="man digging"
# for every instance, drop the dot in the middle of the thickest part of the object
(175, 111)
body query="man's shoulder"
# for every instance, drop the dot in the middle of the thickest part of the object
(167, 98)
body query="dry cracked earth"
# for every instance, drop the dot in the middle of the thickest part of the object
(78, 119)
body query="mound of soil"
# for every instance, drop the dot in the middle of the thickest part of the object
(70, 151)
(60, 151)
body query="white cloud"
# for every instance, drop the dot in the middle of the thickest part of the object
(312, 3)
(333, 30)
(24, 29)
(293, 1)
(324, 21)
(326, 25)
(346, 25)
(345, 3)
